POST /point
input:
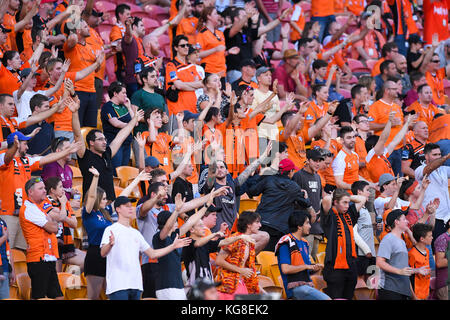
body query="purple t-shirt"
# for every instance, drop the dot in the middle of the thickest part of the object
(411, 97)
(130, 52)
(284, 79)
(440, 245)
(55, 170)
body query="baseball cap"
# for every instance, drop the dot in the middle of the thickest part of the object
(392, 216)
(152, 162)
(262, 70)
(290, 53)
(25, 73)
(314, 154)
(189, 115)
(287, 165)
(212, 208)
(20, 135)
(197, 2)
(248, 62)
(325, 152)
(414, 38)
(4, 30)
(120, 200)
(385, 178)
(200, 286)
(192, 49)
(162, 218)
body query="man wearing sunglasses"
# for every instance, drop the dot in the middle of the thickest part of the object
(15, 169)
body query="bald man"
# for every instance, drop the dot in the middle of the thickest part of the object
(412, 153)
(402, 69)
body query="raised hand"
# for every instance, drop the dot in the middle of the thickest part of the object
(111, 239)
(179, 202)
(143, 176)
(332, 106)
(94, 171)
(140, 141)
(275, 86)
(180, 243)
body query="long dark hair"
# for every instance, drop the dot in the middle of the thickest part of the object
(204, 17)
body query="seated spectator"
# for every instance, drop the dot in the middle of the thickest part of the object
(412, 152)
(248, 71)
(417, 80)
(387, 69)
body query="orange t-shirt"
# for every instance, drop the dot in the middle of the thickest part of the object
(435, 20)
(313, 113)
(97, 42)
(300, 22)
(376, 68)
(296, 148)
(13, 177)
(372, 44)
(214, 63)
(355, 6)
(377, 165)
(379, 113)
(436, 83)
(9, 21)
(322, 8)
(187, 100)
(346, 165)
(420, 283)
(334, 148)
(179, 150)
(81, 56)
(62, 121)
(161, 150)
(360, 149)
(188, 27)
(234, 144)
(9, 125)
(9, 82)
(424, 114)
(439, 129)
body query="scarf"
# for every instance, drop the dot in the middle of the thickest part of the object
(343, 222)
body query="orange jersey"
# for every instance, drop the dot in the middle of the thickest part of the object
(179, 150)
(61, 121)
(161, 149)
(13, 177)
(298, 17)
(296, 147)
(355, 6)
(41, 244)
(372, 44)
(420, 283)
(440, 129)
(322, 8)
(425, 114)
(81, 56)
(377, 165)
(376, 68)
(8, 126)
(97, 43)
(360, 149)
(435, 20)
(117, 32)
(187, 100)
(379, 113)
(9, 21)
(347, 165)
(214, 63)
(335, 147)
(9, 82)
(188, 27)
(313, 113)
(436, 82)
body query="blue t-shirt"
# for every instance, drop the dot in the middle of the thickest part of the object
(3, 255)
(284, 257)
(95, 223)
(169, 265)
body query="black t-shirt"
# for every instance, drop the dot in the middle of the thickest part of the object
(243, 40)
(343, 111)
(410, 58)
(185, 188)
(105, 169)
(196, 260)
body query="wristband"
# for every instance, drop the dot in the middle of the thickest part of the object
(329, 113)
(73, 95)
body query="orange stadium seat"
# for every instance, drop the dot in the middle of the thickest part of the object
(24, 285)
(266, 259)
(126, 174)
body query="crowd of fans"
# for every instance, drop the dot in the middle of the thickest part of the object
(332, 115)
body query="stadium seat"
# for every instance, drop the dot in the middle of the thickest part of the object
(247, 205)
(266, 259)
(276, 277)
(104, 27)
(364, 294)
(118, 190)
(125, 174)
(371, 63)
(24, 285)
(76, 172)
(346, 93)
(20, 267)
(18, 255)
(110, 71)
(150, 24)
(105, 36)
(357, 66)
(318, 282)
(71, 286)
(134, 8)
(84, 132)
(157, 12)
(104, 6)
(320, 257)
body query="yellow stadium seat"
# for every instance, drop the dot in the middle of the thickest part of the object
(321, 257)
(266, 259)
(77, 182)
(18, 255)
(118, 190)
(20, 267)
(318, 282)
(125, 174)
(84, 132)
(76, 171)
(248, 205)
(24, 286)
(364, 294)
(276, 277)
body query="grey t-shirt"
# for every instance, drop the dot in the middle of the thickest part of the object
(365, 230)
(393, 249)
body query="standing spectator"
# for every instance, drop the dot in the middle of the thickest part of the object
(98, 153)
(16, 168)
(115, 115)
(122, 13)
(361, 122)
(392, 259)
(82, 55)
(236, 262)
(7, 267)
(378, 118)
(39, 228)
(280, 195)
(399, 17)
(323, 12)
(121, 244)
(440, 134)
(438, 174)
(412, 152)
(293, 260)
(338, 216)
(309, 180)
(415, 54)
(440, 248)
(418, 259)
(270, 10)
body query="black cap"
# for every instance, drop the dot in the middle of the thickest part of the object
(248, 62)
(200, 286)
(197, 2)
(192, 49)
(120, 200)
(314, 154)
(95, 13)
(213, 208)
(162, 218)
(414, 38)
(392, 216)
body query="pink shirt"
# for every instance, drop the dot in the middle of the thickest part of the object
(55, 170)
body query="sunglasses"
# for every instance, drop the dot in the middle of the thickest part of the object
(435, 61)
(184, 45)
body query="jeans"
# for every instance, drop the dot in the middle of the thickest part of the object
(88, 109)
(122, 157)
(306, 292)
(4, 287)
(445, 149)
(129, 294)
(395, 160)
(324, 23)
(400, 41)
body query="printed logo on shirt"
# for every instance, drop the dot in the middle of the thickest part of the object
(46, 206)
(172, 75)
(309, 117)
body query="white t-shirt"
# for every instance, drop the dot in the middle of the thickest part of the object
(267, 130)
(123, 269)
(381, 201)
(23, 104)
(438, 188)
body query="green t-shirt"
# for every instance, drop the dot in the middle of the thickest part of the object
(146, 100)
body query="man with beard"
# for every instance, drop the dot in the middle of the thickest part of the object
(147, 214)
(412, 153)
(402, 69)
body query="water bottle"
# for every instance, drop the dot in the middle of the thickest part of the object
(378, 219)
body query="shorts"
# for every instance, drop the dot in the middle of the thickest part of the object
(94, 263)
(171, 294)
(44, 280)
(16, 238)
(363, 263)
